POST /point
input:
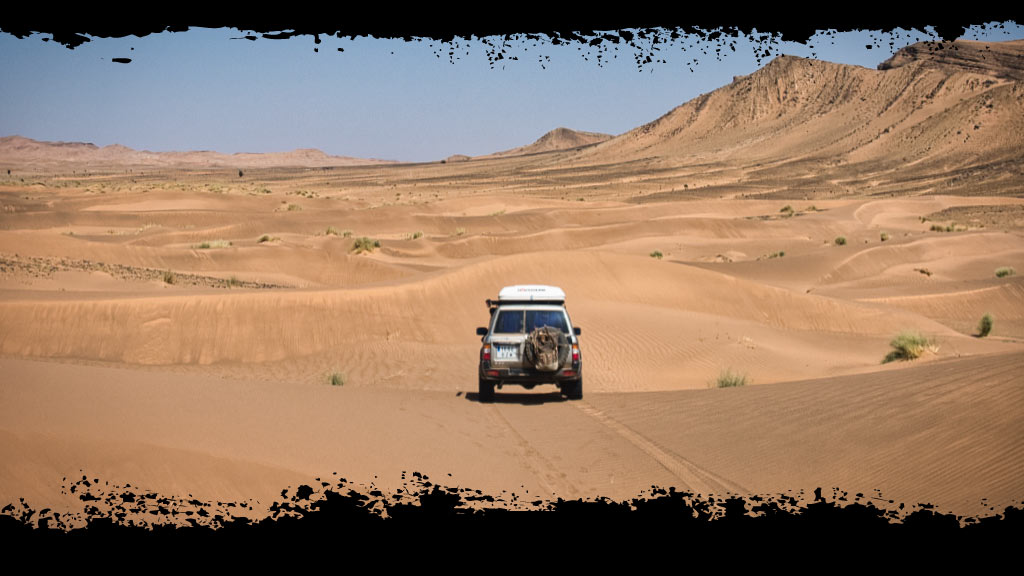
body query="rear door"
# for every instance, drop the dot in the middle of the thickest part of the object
(507, 337)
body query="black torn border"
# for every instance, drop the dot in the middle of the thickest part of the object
(337, 510)
(643, 32)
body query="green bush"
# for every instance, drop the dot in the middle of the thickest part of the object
(985, 325)
(1005, 271)
(169, 277)
(657, 254)
(212, 244)
(331, 231)
(840, 240)
(884, 236)
(908, 345)
(729, 379)
(336, 379)
(365, 244)
(416, 235)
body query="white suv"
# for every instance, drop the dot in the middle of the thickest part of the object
(530, 340)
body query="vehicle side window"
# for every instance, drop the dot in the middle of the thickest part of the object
(509, 322)
(538, 318)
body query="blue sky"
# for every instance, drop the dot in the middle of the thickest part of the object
(379, 98)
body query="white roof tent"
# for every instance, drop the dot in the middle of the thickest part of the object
(531, 293)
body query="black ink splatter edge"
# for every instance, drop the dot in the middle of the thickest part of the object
(643, 31)
(336, 510)
(665, 517)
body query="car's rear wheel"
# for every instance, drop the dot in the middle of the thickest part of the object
(573, 389)
(486, 390)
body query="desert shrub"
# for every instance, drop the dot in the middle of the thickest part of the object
(416, 235)
(365, 244)
(840, 240)
(787, 210)
(1005, 271)
(336, 379)
(924, 271)
(294, 208)
(778, 254)
(908, 345)
(207, 244)
(234, 282)
(985, 325)
(729, 379)
(460, 231)
(346, 233)
(169, 277)
(264, 238)
(884, 236)
(657, 254)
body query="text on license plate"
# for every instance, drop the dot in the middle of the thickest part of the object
(507, 352)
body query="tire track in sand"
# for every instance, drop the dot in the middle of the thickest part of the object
(553, 481)
(693, 477)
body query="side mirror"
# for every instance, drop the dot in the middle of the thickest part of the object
(481, 331)
(576, 331)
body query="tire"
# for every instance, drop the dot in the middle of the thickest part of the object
(573, 389)
(486, 391)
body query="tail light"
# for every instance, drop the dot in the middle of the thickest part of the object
(486, 353)
(575, 353)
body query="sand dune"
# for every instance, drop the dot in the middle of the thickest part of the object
(945, 433)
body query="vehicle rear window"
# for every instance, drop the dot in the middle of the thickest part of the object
(539, 318)
(509, 322)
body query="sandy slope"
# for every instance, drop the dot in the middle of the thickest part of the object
(947, 433)
(221, 391)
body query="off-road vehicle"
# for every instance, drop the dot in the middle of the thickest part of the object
(529, 341)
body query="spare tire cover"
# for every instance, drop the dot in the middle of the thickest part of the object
(546, 349)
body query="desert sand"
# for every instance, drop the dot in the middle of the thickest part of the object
(176, 326)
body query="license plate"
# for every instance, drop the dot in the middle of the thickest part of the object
(507, 353)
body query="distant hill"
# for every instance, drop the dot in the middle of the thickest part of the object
(20, 151)
(928, 121)
(1000, 59)
(557, 139)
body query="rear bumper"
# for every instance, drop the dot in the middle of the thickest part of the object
(518, 376)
